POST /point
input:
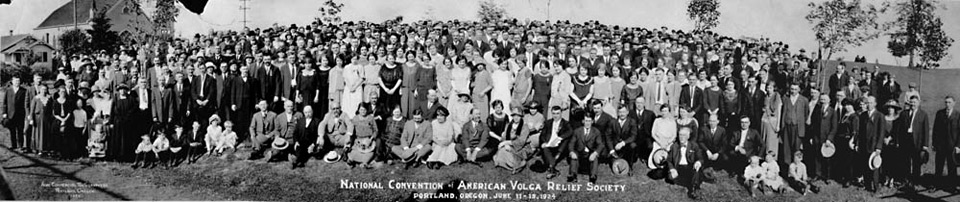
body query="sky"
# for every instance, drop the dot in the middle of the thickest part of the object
(779, 20)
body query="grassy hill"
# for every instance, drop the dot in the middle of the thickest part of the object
(934, 86)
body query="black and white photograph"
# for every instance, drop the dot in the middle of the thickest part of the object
(479, 100)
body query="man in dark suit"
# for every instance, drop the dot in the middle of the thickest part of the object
(839, 79)
(203, 95)
(918, 132)
(268, 77)
(163, 103)
(870, 140)
(585, 146)
(473, 139)
(946, 132)
(554, 137)
(713, 141)
(795, 111)
(624, 134)
(430, 107)
(604, 122)
(305, 135)
(288, 72)
(690, 95)
(182, 93)
(745, 143)
(685, 162)
(644, 119)
(823, 123)
(14, 112)
(243, 94)
(752, 101)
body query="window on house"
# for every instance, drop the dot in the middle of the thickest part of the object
(44, 59)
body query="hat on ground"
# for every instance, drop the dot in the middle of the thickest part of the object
(279, 144)
(620, 167)
(657, 158)
(874, 161)
(331, 157)
(537, 165)
(828, 149)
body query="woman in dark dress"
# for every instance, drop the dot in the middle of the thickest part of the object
(497, 122)
(390, 76)
(392, 133)
(61, 111)
(730, 108)
(541, 83)
(426, 78)
(711, 99)
(582, 93)
(122, 142)
(631, 91)
(308, 86)
(322, 84)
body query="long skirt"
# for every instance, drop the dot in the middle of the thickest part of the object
(407, 101)
(771, 141)
(443, 154)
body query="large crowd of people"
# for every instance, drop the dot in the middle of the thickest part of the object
(681, 106)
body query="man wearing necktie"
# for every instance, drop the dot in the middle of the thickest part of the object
(870, 139)
(685, 162)
(917, 135)
(745, 143)
(823, 128)
(946, 131)
(585, 146)
(305, 136)
(261, 126)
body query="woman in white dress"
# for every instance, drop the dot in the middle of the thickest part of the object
(352, 89)
(444, 132)
(664, 129)
(460, 77)
(502, 84)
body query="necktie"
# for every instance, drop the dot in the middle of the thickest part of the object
(202, 79)
(913, 116)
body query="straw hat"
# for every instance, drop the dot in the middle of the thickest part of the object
(620, 167)
(657, 158)
(828, 149)
(874, 161)
(331, 157)
(279, 144)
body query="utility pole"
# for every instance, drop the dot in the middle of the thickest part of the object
(244, 8)
(75, 14)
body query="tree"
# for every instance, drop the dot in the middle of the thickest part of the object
(840, 24)
(918, 31)
(164, 18)
(491, 12)
(704, 13)
(101, 37)
(73, 42)
(330, 12)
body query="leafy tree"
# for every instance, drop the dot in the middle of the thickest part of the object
(101, 37)
(165, 17)
(74, 42)
(840, 24)
(491, 11)
(919, 31)
(330, 12)
(704, 13)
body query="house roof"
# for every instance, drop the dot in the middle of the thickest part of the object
(8, 41)
(65, 14)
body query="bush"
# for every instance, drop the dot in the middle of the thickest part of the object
(9, 70)
(45, 70)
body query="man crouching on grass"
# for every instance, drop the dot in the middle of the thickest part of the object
(684, 163)
(585, 146)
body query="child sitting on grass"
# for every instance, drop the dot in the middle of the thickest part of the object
(144, 152)
(798, 175)
(212, 138)
(161, 149)
(753, 175)
(228, 140)
(772, 177)
(95, 145)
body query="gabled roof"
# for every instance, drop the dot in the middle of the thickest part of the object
(8, 41)
(64, 15)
